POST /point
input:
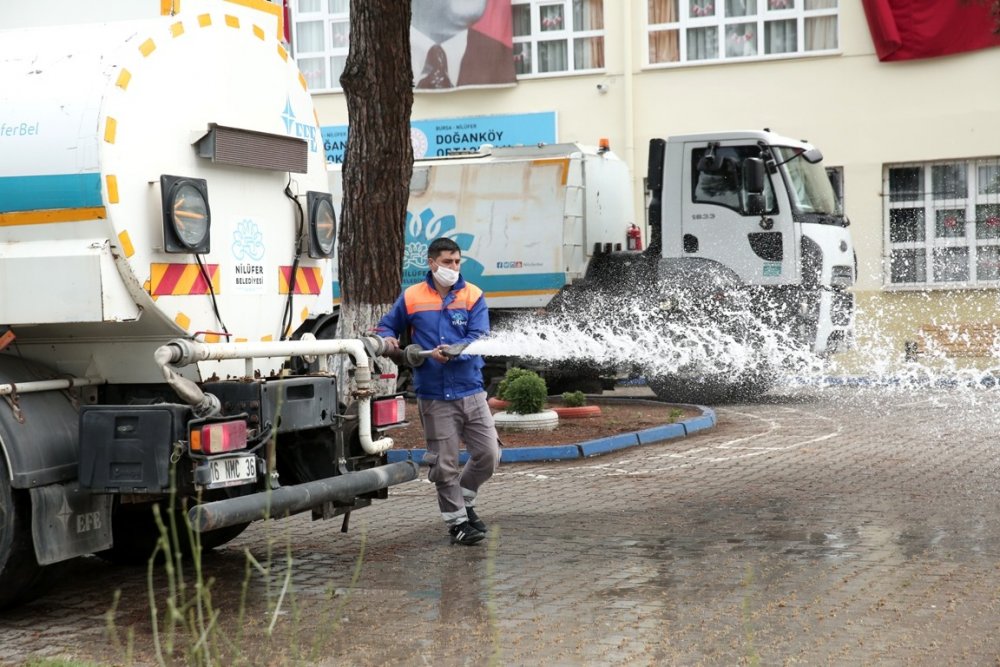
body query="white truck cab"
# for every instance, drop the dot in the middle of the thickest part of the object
(790, 239)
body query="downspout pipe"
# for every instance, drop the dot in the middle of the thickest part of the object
(183, 352)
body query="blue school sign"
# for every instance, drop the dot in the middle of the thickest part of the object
(434, 138)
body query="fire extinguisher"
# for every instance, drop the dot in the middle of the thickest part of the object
(633, 238)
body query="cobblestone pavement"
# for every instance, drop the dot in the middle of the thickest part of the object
(838, 526)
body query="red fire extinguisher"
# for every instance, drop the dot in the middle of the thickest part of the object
(633, 238)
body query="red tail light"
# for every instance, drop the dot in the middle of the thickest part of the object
(388, 411)
(219, 437)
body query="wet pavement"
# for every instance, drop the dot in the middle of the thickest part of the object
(836, 526)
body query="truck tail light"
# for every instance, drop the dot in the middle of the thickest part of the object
(388, 411)
(219, 437)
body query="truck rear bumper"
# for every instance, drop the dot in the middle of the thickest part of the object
(288, 500)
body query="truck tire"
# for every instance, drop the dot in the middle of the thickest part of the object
(711, 390)
(20, 573)
(135, 534)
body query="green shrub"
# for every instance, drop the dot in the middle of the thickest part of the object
(526, 394)
(512, 374)
(574, 399)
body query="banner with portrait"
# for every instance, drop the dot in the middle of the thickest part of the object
(461, 44)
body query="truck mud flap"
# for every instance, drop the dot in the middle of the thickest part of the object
(67, 522)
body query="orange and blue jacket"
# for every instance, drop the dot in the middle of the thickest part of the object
(460, 317)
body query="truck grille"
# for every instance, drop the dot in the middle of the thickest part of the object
(842, 308)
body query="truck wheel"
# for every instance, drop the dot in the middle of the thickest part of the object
(20, 573)
(135, 534)
(712, 390)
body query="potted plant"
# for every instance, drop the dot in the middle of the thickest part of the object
(500, 402)
(574, 406)
(525, 393)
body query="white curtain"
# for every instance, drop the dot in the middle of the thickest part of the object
(703, 43)
(309, 37)
(821, 33)
(741, 7)
(780, 36)
(741, 40)
(552, 56)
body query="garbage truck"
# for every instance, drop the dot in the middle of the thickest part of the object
(526, 218)
(166, 242)
(748, 245)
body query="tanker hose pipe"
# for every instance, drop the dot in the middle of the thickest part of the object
(414, 355)
(202, 404)
(375, 346)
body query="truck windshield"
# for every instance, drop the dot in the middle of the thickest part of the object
(809, 186)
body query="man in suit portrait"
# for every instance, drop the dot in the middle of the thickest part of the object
(447, 52)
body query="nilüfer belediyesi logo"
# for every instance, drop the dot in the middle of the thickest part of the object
(423, 228)
(294, 128)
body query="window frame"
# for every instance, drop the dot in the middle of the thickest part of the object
(932, 206)
(567, 35)
(296, 18)
(685, 23)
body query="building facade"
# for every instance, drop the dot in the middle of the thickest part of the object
(917, 141)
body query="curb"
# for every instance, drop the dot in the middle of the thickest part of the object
(588, 448)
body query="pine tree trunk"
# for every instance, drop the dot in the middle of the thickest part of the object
(378, 161)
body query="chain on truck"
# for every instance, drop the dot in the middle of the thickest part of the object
(166, 237)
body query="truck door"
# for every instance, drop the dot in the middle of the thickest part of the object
(715, 222)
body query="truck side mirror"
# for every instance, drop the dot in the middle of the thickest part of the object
(753, 176)
(755, 204)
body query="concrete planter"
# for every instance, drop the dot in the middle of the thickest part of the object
(579, 412)
(496, 403)
(546, 420)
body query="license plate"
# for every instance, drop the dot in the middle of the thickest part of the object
(232, 470)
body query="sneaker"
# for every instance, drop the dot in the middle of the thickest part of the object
(463, 533)
(474, 520)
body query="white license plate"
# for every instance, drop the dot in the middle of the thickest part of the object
(232, 470)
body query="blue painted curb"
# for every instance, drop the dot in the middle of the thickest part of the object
(589, 448)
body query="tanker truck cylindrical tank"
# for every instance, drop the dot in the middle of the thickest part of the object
(159, 179)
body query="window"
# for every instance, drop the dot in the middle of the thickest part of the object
(320, 34)
(718, 179)
(558, 36)
(691, 31)
(942, 223)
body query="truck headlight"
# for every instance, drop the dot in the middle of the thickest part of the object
(842, 276)
(322, 224)
(187, 219)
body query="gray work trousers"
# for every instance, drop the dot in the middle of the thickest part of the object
(448, 424)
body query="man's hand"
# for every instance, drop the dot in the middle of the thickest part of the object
(391, 344)
(438, 354)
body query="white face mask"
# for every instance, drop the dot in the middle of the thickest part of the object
(446, 276)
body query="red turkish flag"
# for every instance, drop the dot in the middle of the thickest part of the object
(909, 29)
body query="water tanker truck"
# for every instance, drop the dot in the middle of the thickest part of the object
(166, 234)
(748, 246)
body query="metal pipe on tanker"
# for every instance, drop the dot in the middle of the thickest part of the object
(288, 500)
(182, 352)
(47, 385)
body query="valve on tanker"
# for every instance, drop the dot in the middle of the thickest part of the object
(633, 238)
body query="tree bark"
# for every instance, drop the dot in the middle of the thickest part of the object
(378, 161)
